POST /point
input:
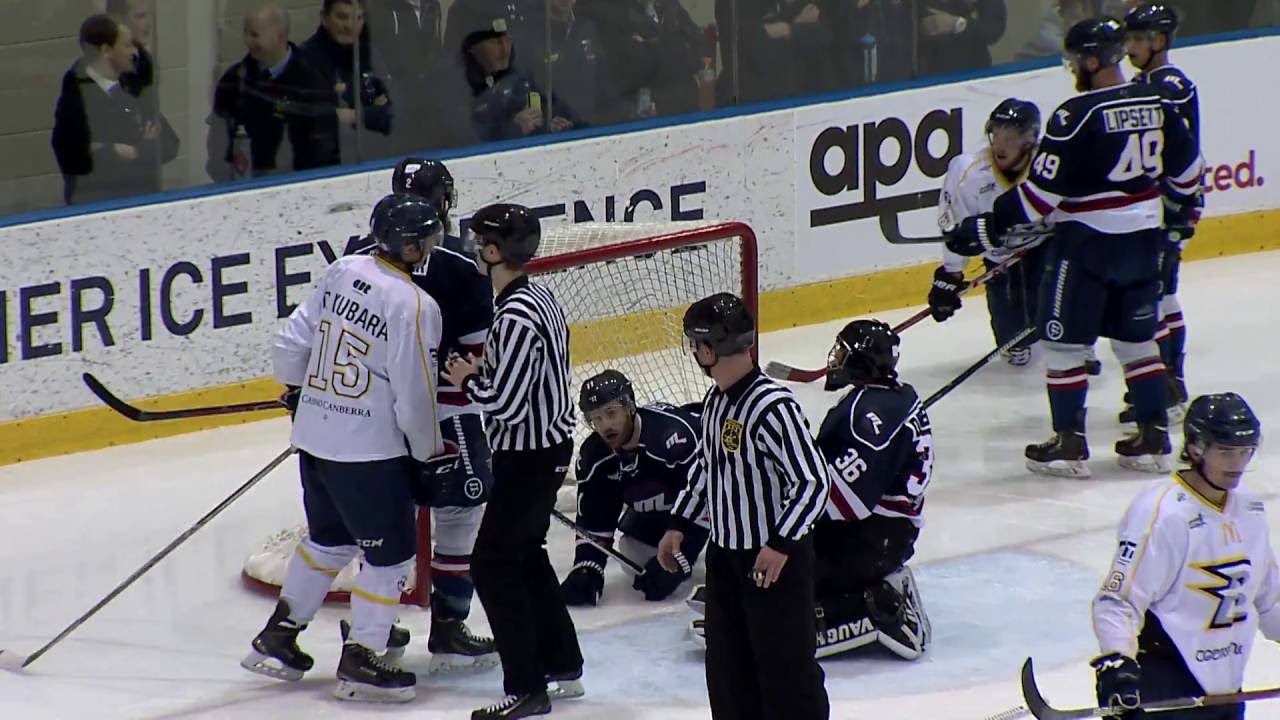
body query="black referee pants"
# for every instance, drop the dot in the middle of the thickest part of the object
(513, 575)
(760, 643)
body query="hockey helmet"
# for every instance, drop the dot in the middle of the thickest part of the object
(606, 387)
(1153, 17)
(514, 229)
(1101, 38)
(1221, 419)
(722, 322)
(1012, 112)
(401, 221)
(429, 180)
(865, 352)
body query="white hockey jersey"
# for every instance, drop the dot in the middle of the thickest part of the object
(363, 348)
(1208, 574)
(971, 187)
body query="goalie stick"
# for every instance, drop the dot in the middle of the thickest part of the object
(1041, 709)
(783, 371)
(137, 414)
(10, 660)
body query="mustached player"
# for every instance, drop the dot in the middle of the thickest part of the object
(363, 349)
(630, 471)
(973, 182)
(1149, 30)
(1106, 158)
(1194, 577)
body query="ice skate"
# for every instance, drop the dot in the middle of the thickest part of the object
(697, 600)
(275, 651)
(698, 632)
(566, 686)
(365, 677)
(454, 647)
(1175, 403)
(1062, 455)
(1147, 450)
(515, 706)
(397, 640)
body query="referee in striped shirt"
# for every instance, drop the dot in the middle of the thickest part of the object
(765, 483)
(524, 388)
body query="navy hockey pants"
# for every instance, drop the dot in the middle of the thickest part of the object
(1012, 297)
(367, 504)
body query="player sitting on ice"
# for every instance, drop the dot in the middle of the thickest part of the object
(879, 444)
(629, 473)
(1194, 577)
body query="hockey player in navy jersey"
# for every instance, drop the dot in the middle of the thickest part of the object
(1149, 30)
(629, 472)
(1193, 578)
(1107, 157)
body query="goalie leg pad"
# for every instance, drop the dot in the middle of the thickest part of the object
(843, 623)
(898, 612)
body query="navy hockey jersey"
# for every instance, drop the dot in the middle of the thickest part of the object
(879, 441)
(1105, 159)
(465, 297)
(645, 479)
(1178, 89)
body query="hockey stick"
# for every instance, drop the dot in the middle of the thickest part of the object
(783, 371)
(581, 532)
(12, 661)
(1043, 711)
(137, 414)
(974, 368)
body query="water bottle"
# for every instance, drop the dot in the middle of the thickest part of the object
(644, 103)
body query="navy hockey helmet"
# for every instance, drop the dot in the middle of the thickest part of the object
(1101, 38)
(1222, 419)
(1153, 17)
(514, 229)
(1012, 112)
(429, 180)
(401, 221)
(722, 322)
(606, 387)
(865, 352)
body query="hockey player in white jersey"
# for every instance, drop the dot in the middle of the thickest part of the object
(974, 180)
(1194, 577)
(363, 349)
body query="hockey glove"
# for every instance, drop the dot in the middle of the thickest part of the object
(437, 472)
(292, 393)
(944, 296)
(656, 583)
(973, 236)
(1181, 217)
(1118, 681)
(583, 585)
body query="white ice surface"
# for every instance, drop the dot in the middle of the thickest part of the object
(1007, 562)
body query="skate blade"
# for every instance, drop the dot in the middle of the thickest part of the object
(361, 692)
(444, 663)
(256, 662)
(697, 631)
(566, 690)
(1060, 468)
(1154, 464)
(393, 654)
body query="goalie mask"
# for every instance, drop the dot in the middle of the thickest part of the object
(865, 353)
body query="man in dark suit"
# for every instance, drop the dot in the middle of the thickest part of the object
(106, 142)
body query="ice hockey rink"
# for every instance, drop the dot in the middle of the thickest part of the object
(1007, 562)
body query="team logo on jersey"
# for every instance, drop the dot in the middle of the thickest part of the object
(473, 488)
(1230, 578)
(731, 435)
(1257, 506)
(361, 286)
(1128, 549)
(1054, 330)
(875, 421)
(676, 439)
(1196, 522)
(1230, 534)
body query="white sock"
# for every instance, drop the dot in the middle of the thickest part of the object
(310, 574)
(375, 603)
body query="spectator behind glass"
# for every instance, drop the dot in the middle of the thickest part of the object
(139, 17)
(407, 34)
(872, 41)
(783, 49)
(956, 35)
(1060, 15)
(272, 93)
(505, 103)
(573, 58)
(523, 18)
(331, 50)
(652, 53)
(105, 142)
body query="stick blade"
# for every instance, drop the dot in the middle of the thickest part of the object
(12, 661)
(110, 400)
(1036, 703)
(783, 371)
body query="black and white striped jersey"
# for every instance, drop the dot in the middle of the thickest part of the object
(524, 384)
(759, 472)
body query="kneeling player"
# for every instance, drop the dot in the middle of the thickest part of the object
(879, 443)
(1194, 577)
(629, 473)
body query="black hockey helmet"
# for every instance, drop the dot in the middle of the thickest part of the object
(1012, 112)
(1153, 17)
(1221, 419)
(722, 322)
(514, 229)
(865, 352)
(429, 180)
(606, 387)
(1101, 38)
(401, 221)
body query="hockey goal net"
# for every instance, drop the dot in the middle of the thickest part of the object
(624, 288)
